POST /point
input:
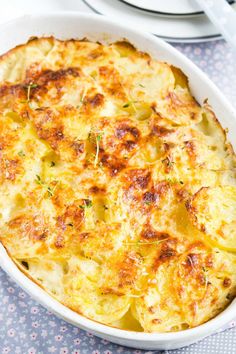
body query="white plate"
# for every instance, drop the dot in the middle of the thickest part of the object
(196, 29)
(99, 28)
(169, 7)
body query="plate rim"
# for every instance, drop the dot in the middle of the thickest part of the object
(168, 14)
(167, 38)
(164, 13)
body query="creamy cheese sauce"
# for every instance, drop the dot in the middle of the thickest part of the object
(118, 190)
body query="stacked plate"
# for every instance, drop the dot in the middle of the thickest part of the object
(173, 20)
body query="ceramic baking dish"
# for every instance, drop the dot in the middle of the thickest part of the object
(98, 28)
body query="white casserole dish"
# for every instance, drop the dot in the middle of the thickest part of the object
(97, 28)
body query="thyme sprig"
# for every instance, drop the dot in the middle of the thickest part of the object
(28, 87)
(87, 204)
(48, 188)
(95, 137)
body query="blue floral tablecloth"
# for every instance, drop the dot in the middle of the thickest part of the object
(27, 328)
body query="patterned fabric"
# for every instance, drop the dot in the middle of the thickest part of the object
(27, 328)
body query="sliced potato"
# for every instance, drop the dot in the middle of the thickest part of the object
(101, 147)
(183, 288)
(83, 294)
(213, 211)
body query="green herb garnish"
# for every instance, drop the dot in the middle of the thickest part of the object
(29, 87)
(50, 190)
(95, 138)
(168, 162)
(21, 153)
(39, 181)
(174, 180)
(98, 139)
(81, 99)
(87, 204)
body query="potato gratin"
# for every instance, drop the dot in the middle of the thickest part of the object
(118, 190)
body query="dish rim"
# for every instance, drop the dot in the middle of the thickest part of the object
(40, 295)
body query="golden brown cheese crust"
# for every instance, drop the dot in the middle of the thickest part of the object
(117, 187)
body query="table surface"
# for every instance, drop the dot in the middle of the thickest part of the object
(25, 326)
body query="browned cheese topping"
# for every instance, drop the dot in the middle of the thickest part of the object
(118, 190)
